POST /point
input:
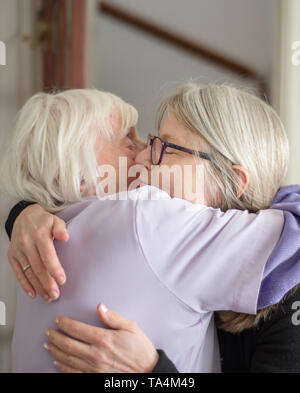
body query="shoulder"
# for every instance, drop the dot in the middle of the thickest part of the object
(277, 338)
(284, 312)
(268, 342)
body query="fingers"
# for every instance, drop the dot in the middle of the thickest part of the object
(113, 319)
(68, 359)
(29, 275)
(40, 273)
(37, 285)
(65, 369)
(24, 282)
(47, 253)
(80, 356)
(32, 236)
(69, 345)
(81, 331)
(60, 232)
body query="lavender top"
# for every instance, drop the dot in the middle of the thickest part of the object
(165, 263)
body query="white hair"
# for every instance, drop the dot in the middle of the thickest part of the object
(53, 146)
(236, 128)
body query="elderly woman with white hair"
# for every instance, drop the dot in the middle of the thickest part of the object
(155, 261)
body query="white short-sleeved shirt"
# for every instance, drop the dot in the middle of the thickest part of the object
(165, 263)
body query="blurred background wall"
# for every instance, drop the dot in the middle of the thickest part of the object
(287, 100)
(10, 101)
(112, 45)
(142, 68)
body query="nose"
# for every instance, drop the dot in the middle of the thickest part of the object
(143, 157)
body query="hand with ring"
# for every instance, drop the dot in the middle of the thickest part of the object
(32, 253)
(26, 268)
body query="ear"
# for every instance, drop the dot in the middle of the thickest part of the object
(243, 179)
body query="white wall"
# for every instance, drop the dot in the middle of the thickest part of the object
(141, 69)
(289, 83)
(9, 104)
(19, 78)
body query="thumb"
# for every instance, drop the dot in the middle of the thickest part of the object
(59, 231)
(112, 318)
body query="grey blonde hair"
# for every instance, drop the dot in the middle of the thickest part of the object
(235, 127)
(52, 150)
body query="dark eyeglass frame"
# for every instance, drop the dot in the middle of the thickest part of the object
(165, 145)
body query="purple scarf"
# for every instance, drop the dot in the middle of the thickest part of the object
(282, 271)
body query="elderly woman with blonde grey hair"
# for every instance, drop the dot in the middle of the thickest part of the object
(167, 263)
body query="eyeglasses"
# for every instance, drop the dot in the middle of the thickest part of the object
(159, 146)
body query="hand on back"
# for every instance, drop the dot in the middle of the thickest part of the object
(32, 245)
